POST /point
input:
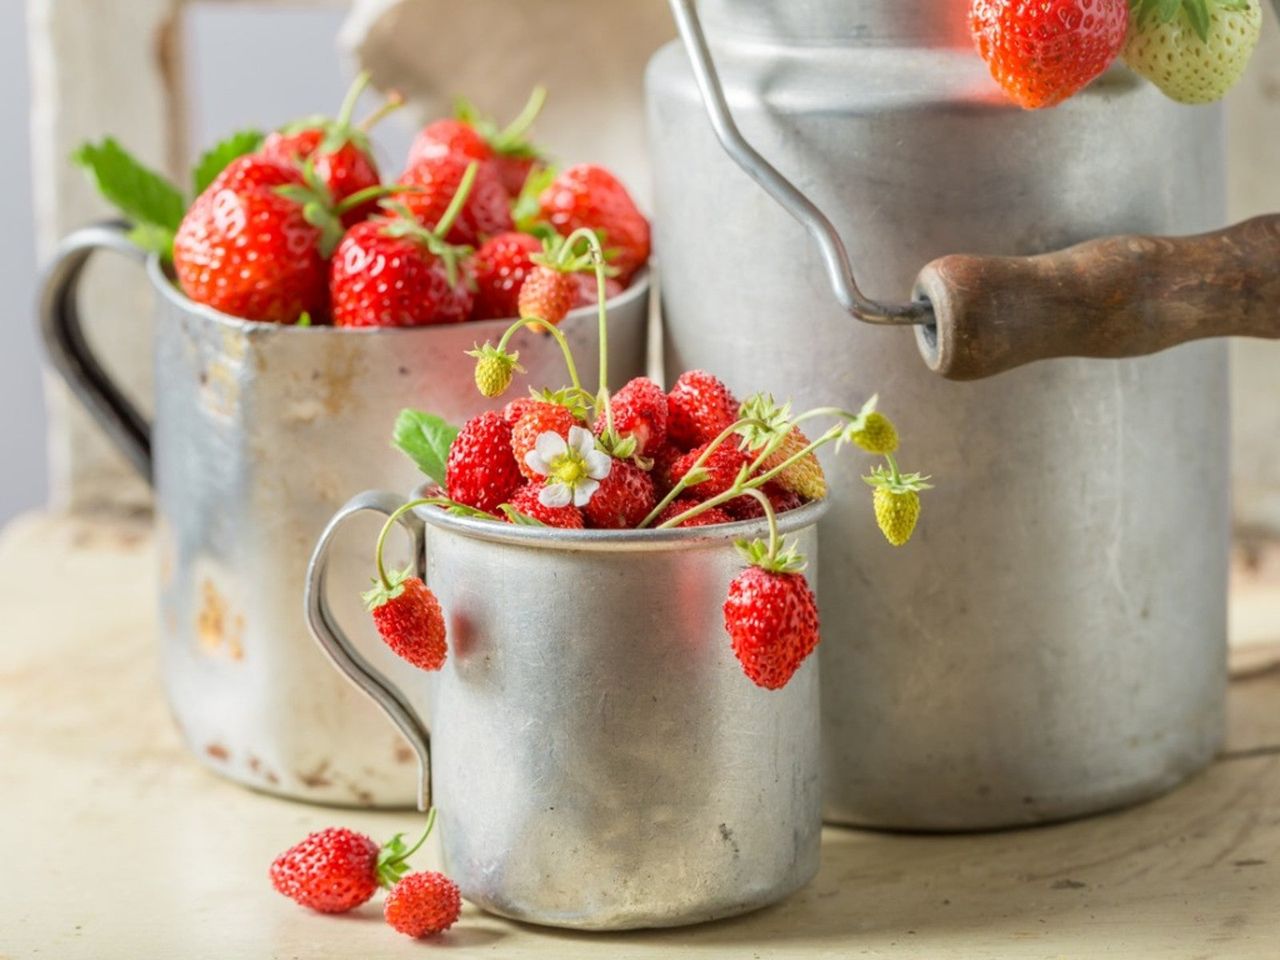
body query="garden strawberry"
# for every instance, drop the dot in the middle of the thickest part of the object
(422, 904)
(1041, 53)
(478, 138)
(1193, 50)
(624, 498)
(435, 180)
(534, 422)
(482, 472)
(699, 408)
(772, 619)
(390, 272)
(639, 411)
(721, 467)
(708, 517)
(246, 247)
(526, 501)
(592, 197)
(409, 619)
(587, 289)
(500, 266)
(547, 293)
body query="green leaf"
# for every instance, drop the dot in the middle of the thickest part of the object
(141, 194)
(153, 239)
(426, 438)
(214, 160)
(526, 211)
(304, 319)
(1198, 15)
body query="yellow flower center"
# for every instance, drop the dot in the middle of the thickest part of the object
(569, 469)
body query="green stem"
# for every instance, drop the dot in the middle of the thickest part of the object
(893, 465)
(395, 100)
(683, 485)
(827, 437)
(551, 329)
(516, 129)
(353, 94)
(386, 528)
(458, 202)
(431, 822)
(371, 193)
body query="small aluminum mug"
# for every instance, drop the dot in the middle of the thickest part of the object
(260, 431)
(597, 758)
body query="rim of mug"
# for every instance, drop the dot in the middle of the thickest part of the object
(497, 531)
(164, 283)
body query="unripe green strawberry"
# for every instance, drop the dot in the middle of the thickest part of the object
(494, 369)
(896, 513)
(877, 434)
(1193, 50)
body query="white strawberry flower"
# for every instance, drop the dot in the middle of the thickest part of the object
(573, 468)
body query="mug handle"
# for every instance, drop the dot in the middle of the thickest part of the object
(340, 649)
(69, 351)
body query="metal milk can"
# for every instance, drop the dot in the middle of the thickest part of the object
(597, 758)
(1053, 641)
(261, 431)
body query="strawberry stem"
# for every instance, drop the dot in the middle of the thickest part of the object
(559, 338)
(516, 129)
(399, 512)
(353, 95)
(459, 200)
(683, 484)
(395, 100)
(431, 822)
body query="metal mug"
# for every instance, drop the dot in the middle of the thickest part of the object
(1053, 642)
(260, 431)
(597, 758)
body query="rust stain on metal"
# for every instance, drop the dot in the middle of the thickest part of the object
(317, 777)
(262, 770)
(218, 630)
(337, 380)
(218, 752)
(219, 389)
(402, 754)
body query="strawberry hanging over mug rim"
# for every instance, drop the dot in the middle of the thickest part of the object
(1042, 53)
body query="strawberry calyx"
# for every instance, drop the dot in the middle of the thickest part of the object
(891, 479)
(402, 223)
(393, 856)
(495, 368)
(386, 588)
(756, 554)
(1198, 12)
(318, 207)
(511, 140)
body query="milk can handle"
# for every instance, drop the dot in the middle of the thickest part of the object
(335, 642)
(69, 351)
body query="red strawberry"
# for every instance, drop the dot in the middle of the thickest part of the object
(547, 293)
(624, 498)
(449, 135)
(539, 419)
(481, 471)
(591, 196)
(245, 248)
(1044, 52)
(389, 272)
(500, 267)
(332, 870)
(772, 619)
(640, 411)
(436, 179)
(518, 407)
(748, 508)
(587, 289)
(422, 904)
(708, 517)
(479, 138)
(526, 501)
(722, 468)
(699, 408)
(408, 617)
(663, 460)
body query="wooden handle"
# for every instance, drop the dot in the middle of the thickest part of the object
(1114, 297)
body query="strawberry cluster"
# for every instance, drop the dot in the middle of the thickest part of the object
(1042, 53)
(336, 870)
(299, 227)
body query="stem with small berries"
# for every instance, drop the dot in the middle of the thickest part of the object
(684, 484)
(559, 338)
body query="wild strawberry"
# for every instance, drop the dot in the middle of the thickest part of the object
(547, 293)
(624, 498)
(592, 197)
(246, 248)
(708, 517)
(481, 471)
(422, 904)
(409, 619)
(338, 150)
(699, 408)
(587, 290)
(1042, 53)
(332, 870)
(749, 508)
(896, 500)
(518, 407)
(500, 266)
(390, 272)
(664, 459)
(772, 619)
(526, 501)
(534, 422)
(876, 434)
(436, 179)
(721, 469)
(805, 476)
(1193, 50)
(640, 411)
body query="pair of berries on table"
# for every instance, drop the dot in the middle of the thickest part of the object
(336, 870)
(1042, 53)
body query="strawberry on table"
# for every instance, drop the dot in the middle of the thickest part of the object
(589, 196)
(1195, 51)
(423, 904)
(500, 267)
(1041, 53)
(435, 180)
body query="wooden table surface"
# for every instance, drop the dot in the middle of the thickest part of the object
(115, 844)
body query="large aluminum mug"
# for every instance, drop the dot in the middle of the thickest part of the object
(597, 757)
(260, 432)
(1052, 643)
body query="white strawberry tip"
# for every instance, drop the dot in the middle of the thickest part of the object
(573, 467)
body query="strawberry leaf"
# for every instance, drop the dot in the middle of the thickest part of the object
(153, 239)
(214, 160)
(426, 439)
(1198, 15)
(141, 194)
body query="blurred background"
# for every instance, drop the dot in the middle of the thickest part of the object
(169, 84)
